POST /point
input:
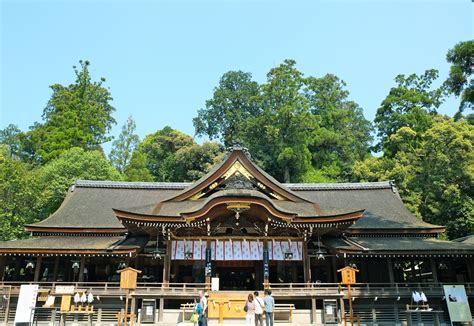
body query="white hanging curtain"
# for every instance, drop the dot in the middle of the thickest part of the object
(236, 250)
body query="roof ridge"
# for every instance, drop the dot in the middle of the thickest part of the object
(182, 185)
(131, 184)
(341, 185)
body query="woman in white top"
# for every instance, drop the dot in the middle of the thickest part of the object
(250, 309)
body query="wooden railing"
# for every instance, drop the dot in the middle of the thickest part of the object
(362, 289)
(186, 290)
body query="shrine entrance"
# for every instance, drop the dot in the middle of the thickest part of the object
(239, 275)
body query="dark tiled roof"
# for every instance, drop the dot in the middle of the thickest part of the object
(383, 207)
(398, 244)
(302, 209)
(63, 243)
(91, 206)
(89, 203)
(469, 239)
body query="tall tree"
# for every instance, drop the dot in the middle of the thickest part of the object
(280, 135)
(460, 81)
(18, 196)
(233, 102)
(11, 137)
(344, 135)
(411, 103)
(78, 115)
(123, 147)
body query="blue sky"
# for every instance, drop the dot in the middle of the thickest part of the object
(162, 59)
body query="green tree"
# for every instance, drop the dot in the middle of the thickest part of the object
(11, 137)
(433, 171)
(280, 135)
(18, 196)
(137, 170)
(446, 176)
(192, 162)
(412, 103)
(78, 115)
(54, 178)
(460, 82)
(123, 147)
(226, 114)
(343, 136)
(160, 147)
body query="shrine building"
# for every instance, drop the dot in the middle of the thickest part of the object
(239, 229)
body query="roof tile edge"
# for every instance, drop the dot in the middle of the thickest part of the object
(182, 185)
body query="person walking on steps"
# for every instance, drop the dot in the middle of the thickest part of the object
(269, 302)
(203, 302)
(249, 309)
(259, 308)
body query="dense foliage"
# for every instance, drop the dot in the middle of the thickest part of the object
(298, 128)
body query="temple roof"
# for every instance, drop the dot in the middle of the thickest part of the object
(237, 181)
(89, 204)
(399, 245)
(74, 245)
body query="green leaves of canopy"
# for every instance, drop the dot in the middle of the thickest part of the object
(78, 115)
(292, 124)
(460, 82)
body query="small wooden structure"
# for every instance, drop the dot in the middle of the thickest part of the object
(128, 281)
(348, 276)
(128, 278)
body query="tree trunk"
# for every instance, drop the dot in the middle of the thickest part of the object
(286, 175)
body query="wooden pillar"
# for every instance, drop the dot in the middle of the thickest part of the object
(390, 271)
(313, 311)
(2, 267)
(55, 271)
(39, 260)
(160, 309)
(434, 271)
(334, 269)
(81, 269)
(207, 265)
(266, 265)
(166, 277)
(470, 269)
(306, 263)
(17, 265)
(167, 264)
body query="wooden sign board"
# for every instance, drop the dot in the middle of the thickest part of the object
(65, 303)
(348, 275)
(64, 289)
(128, 278)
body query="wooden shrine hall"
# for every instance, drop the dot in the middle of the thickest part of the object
(247, 231)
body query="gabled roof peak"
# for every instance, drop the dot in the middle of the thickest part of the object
(237, 165)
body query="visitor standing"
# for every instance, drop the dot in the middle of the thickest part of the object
(259, 308)
(196, 318)
(249, 308)
(203, 302)
(269, 302)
